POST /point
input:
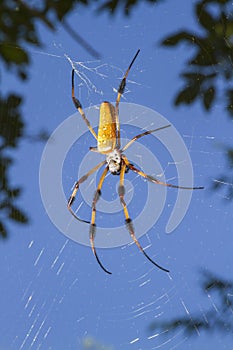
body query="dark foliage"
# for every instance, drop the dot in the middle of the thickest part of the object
(212, 60)
(218, 318)
(10, 132)
(112, 6)
(225, 181)
(18, 30)
(208, 74)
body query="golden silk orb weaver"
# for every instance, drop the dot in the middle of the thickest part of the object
(109, 144)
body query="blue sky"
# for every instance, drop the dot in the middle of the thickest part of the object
(54, 294)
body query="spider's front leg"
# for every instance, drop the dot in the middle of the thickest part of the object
(78, 105)
(120, 91)
(128, 221)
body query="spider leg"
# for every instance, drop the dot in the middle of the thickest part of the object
(119, 93)
(94, 149)
(79, 108)
(93, 215)
(128, 221)
(154, 180)
(76, 187)
(143, 134)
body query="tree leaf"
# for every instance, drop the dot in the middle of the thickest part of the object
(230, 157)
(12, 54)
(3, 231)
(204, 57)
(229, 107)
(204, 17)
(13, 193)
(187, 95)
(17, 215)
(178, 38)
(208, 97)
(10, 119)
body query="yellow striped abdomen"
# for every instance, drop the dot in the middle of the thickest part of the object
(107, 128)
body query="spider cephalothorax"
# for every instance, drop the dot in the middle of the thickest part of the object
(114, 160)
(108, 144)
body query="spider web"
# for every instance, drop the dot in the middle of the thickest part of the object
(60, 299)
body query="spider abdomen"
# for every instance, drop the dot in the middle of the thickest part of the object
(107, 128)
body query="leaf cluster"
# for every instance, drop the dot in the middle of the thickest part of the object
(19, 28)
(19, 25)
(19, 22)
(10, 132)
(217, 318)
(212, 61)
(226, 180)
(112, 6)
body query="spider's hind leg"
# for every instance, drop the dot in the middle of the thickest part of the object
(76, 188)
(128, 221)
(92, 231)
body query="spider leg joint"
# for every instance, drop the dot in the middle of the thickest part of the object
(71, 201)
(92, 232)
(121, 88)
(96, 196)
(121, 190)
(77, 103)
(129, 225)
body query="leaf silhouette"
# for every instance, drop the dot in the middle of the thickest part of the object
(213, 56)
(17, 215)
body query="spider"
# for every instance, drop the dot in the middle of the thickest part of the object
(109, 144)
